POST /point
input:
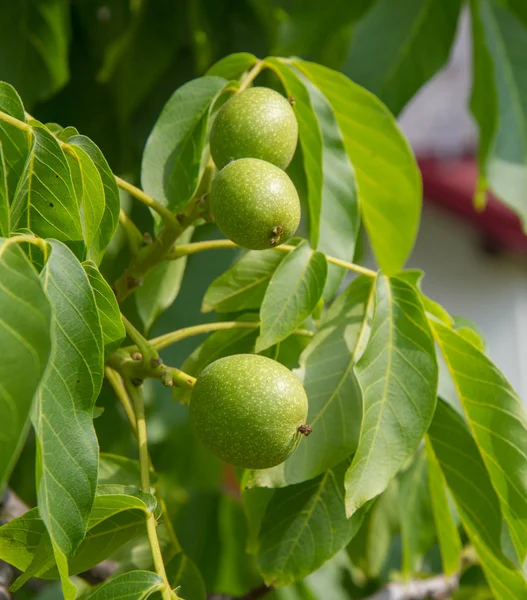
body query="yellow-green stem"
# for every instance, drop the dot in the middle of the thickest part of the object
(151, 525)
(251, 76)
(193, 248)
(161, 342)
(142, 344)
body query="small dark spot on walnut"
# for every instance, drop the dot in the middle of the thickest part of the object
(305, 429)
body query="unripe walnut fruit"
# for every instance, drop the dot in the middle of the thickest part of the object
(257, 123)
(255, 204)
(249, 410)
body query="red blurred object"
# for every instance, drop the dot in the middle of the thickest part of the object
(451, 184)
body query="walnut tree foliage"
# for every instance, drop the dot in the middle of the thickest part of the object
(416, 466)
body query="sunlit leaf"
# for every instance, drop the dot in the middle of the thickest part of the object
(398, 377)
(293, 293)
(498, 421)
(45, 200)
(135, 585)
(335, 398)
(390, 204)
(310, 140)
(232, 66)
(113, 331)
(15, 143)
(305, 525)
(63, 410)
(172, 161)
(476, 501)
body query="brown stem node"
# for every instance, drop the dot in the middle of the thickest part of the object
(305, 429)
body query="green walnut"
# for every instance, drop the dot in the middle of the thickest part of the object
(249, 410)
(258, 123)
(255, 204)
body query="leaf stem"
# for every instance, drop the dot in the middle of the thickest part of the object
(251, 76)
(144, 463)
(29, 239)
(140, 341)
(194, 247)
(162, 211)
(117, 383)
(163, 341)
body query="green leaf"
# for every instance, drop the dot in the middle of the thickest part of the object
(305, 525)
(113, 331)
(233, 66)
(4, 199)
(25, 323)
(339, 217)
(393, 52)
(115, 519)
(89, 191)
(398, 376)
(476, 501)
(498, 421)
(370, 548)
(391, 204)
(172, 161)
(293, 293)
(183, 575)
(135, 585)
(63, 411)
(499, 102)
(310, 139)
(15, 142)
(335, 399)
(115, 469)
(161, 286)
(45, 201)
(112, 202)
(417, 527)
(34, 38)
(138, 59)
(447, 532)
(311, 25)
(243, 286)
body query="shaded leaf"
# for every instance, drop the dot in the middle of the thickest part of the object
(233, 66)
(34, 39)
(335, 398)
(391, 204)
(161, 286)
(183, 575)
(25, 323)
(112, 203)
(115, 519)
(45, 201)
(311, 24)
(417, 525)
(113, 331)
(243, 286)
(4, 199)
(499, 102)
(498, 421)
(135, 585)
(310, 140)
(447, 532)
(115, 469)
(15, 143)
(476, 501)
(305, 525)
(398, 377)
(63, 410)
(339, 216)
(395, 50)
(172, 160)
(293, 293)
(370, 548)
